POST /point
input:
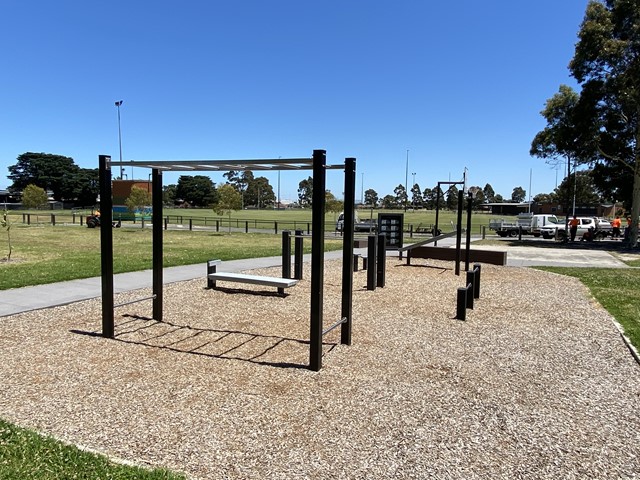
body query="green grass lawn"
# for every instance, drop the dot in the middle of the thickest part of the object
(49, 254)
(289, 218)
(25, 454)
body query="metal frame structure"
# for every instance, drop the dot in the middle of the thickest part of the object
(317, 163)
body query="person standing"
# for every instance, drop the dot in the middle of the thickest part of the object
(573, 227)
(615, 227)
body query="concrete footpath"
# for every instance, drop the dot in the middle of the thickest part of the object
(19, 300)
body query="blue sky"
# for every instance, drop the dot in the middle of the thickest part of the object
(457, 84)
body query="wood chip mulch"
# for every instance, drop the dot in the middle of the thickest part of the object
(537, 383)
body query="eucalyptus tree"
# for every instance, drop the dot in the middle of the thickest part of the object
(604, 123)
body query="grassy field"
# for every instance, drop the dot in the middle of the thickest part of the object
(27, 455)
(49, 254)
(265, 219)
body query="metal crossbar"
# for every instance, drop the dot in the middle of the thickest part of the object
(335, 325)
(223, 165)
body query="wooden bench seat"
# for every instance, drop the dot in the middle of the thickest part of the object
(214, 276)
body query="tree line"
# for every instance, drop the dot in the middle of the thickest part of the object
(36, 173)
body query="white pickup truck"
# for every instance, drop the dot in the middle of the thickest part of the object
(528, 223)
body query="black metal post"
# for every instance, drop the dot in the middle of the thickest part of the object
(106, 246)
(286, 254)
(471, 287)
(435, 243)
(156, 218)
(371, 262)
(298, 255)
(459, 232)
(469, 296)
(461, 304)
(468, 245)
(381, 270)
(347, 249)
(317, 259)
(477, 268)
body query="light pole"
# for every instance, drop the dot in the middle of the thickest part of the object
(362, 188)
(406, 181)
(118, 103)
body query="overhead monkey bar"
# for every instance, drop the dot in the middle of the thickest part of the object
(319, 167)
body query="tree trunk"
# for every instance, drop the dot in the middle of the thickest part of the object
(635, 199)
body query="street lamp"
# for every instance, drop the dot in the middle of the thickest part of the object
(362, 189)
(118, 103)
(406, 181)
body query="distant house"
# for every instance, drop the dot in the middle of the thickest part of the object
(506, 208)
(604, 210)
(548, 208)
(9, 200)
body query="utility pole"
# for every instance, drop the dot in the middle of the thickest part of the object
(406, 181)
(118, 103)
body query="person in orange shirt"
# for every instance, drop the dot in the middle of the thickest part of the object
(573, 227)
(615, 227)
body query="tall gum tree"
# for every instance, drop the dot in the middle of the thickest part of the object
(607, 65)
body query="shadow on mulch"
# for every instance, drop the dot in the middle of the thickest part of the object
(188, 335)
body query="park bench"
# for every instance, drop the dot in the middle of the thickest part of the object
(214, 276)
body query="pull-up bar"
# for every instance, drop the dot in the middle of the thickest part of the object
(317, 163)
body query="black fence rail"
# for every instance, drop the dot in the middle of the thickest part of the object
(217, 223)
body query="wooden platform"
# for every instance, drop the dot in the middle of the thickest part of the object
(492, 257)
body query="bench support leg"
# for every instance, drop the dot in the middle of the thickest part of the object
(211, 268)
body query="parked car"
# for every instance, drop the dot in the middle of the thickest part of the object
(367, 225)
(601, 228)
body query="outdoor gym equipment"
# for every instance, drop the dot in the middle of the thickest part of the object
(317, 164)
(468, 293)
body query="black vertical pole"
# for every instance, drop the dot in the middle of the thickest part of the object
(471, 285)
(468, 246)
(317, 259)
(286, 254)
(459, 232)
(477, 268)
(381, 269)
(347, 249)
(156, 218)
(461, 303)
(372, 270)
(106, 246)
(298, 255)
(435, 229)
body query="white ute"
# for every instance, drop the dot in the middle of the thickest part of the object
(527, 222)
